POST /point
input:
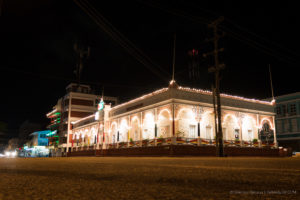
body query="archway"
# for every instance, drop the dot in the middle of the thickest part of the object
(123, 134)
(187, 123)
(164, 124)
(207, 126)
(148, 126)
(231, 129)
(135, 129)
(113, 133)
(248, 128)
(266, 132)
(94, 131)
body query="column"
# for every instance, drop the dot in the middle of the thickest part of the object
(173, 120)
(155, 126)
(257, 125)
(241, 131)
(173, 141)
(274, 132)
(198, 133)
(98, 133)
(141, 129)
(128, 131)
(118, 128)
(69, 121)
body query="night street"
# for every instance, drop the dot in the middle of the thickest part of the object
(149, 178)
(149, 99)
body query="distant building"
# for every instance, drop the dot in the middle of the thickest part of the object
(36, 146)
(288, 120)
(39, 138)
(78, 103)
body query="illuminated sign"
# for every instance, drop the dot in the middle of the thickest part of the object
(101, 105)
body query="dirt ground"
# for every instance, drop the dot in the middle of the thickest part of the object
(149, 178)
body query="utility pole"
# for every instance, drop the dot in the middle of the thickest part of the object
(213, 89)
(216, 94)
(174, 54)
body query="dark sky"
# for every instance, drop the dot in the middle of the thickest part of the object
(37, 56)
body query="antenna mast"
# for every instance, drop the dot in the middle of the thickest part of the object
(271, 82)
(174, 48)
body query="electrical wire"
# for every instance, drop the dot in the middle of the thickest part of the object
(231, 33)
(121, 39)
(45, 76)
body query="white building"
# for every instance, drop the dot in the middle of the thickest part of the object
(175, 115)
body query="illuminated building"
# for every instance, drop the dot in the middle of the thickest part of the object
(175, 115)
(78, 103)
(37, 146)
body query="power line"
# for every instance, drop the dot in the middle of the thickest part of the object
(231, 33)
(45, 76)
(121, 39)
(216, 14)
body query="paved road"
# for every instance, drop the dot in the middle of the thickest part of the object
(149, 178)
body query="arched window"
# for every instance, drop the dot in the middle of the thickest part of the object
(208, 131)
(148, 126)
(266, 133)
(186, 123)
(164, 124)
(135, 130)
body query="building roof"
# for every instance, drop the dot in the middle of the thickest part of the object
(40, 132)
(287, 97)
(185, 93)
(194, 90)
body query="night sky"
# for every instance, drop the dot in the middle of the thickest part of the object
(38, 59)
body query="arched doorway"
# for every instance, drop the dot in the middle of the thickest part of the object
(248, 129)
(135, 129)
(113, 133)
(187, 123)
(123, 134)
(94, 131)
(207, 126)
(148, 126)
(266, 132)
(231, 129)
(164, 124)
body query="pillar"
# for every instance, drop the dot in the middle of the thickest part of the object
(241, 131)
(155, 126)
(173, 120)
(141, 129)
(274, 132)
(69, 121)
(198, 133)
(128, 131)
(257, 125)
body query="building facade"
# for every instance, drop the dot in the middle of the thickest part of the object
(288, 120)
(78, 103)
(36, 146)
(176, 115)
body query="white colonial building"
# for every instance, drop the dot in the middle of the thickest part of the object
(175, 115)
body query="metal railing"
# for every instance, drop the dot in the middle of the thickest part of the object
(173, 141)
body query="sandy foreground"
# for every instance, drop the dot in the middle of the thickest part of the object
(149, 178)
